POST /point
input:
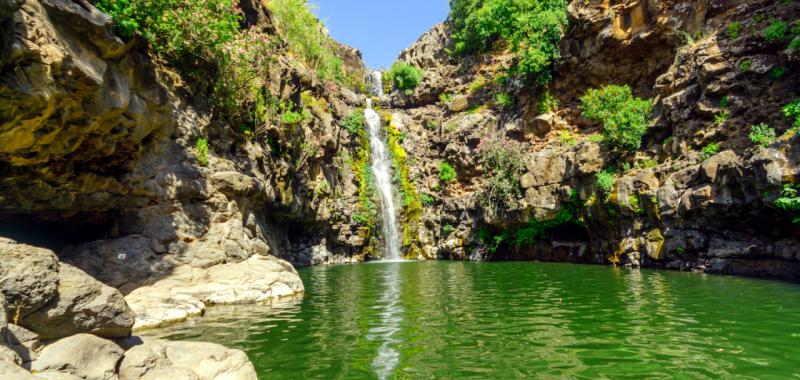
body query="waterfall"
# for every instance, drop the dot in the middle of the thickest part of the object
(375, 81)
(382, 172)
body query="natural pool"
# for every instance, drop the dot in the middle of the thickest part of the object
(458, 320)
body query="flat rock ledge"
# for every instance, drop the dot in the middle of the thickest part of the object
(187, 291)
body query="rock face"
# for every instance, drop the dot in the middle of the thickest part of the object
(83, 355)
(159, 359)
(83, 305)
(24, 292)
(672, 208)
(187, 291)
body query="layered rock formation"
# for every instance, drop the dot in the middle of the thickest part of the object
(672, 208)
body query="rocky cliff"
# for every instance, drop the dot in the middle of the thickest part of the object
(121, 219)
(671, 206)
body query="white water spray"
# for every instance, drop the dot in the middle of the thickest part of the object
(382, 171)
(375, 81)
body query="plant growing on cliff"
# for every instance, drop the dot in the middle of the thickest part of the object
(504, 100)
(735, 29)
(307, 38)
(502, 161)
(709, 150)
(790, 201)
(547, 102)
(762, 134)
(776, 31)
(531, 29)
(606, 180)
(447, 173)
(625, 118)
(353, 123)
(792, 111)
(202, 151)
(404, 77)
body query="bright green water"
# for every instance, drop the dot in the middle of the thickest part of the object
(455, 320)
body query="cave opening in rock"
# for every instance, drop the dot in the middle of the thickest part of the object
(56, 232)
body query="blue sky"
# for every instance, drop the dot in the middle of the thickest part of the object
(380, 28)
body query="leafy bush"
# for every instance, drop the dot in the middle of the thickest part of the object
(722, 117)
(709, 150)
(243, 64)
(606, 180)
(792, 111)
(735, 29)
(532, 29)
(776, 31)
(625, 118)
(431, 125)
(445, 98)
(447, 229)
(447, 173)
(306, 37)
(762, 134)
(404, 77)
(291, 118)
(778, 73)
(426, 200)
(502, 160)
(745, 64)
(353, 123)
(202, 151)
(504, 100)
(790, 201)
(180, 30)
(547, 103)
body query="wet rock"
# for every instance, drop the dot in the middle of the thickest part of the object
(85, 356)
(28, 277)
(83, 305)
(154, 359)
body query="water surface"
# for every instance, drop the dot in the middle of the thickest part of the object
(457, 320)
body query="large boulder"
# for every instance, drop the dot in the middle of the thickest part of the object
(187, 291)
(160, 359)
(28, 277)
(84, 355)
(83, 305)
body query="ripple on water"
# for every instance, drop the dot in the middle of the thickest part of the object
(453, 320)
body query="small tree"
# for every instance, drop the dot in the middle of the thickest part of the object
(625, 118)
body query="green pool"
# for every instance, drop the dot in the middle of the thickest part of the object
(456, 320)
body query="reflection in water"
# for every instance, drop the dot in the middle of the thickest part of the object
(391, 315)
(455, 320)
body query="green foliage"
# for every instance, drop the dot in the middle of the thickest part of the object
(412, 205)
(725, 101)
(354, 123)
(238, 91)
(776, 31)
(445, 98)
(404, 77)
(778, 73)
(762, 134)
(427, 200)
(790, 201)
(292, 118)
(431, 125)
(478, 84)
(307, 38)
(447, 173)
(606, 180)
(735, 29)
(709, 150)
(568, 138)
(625, 118)
(502, 160)
(532, 29)
(633, 202)
(722, 117)
(547, 103)
(792, 111)
(536, 230)
(202, 151)
(595, 137)
(183, 31)
(745, 64)
(447, 229)
(504, 100)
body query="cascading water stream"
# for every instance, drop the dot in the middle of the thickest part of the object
(382, 172)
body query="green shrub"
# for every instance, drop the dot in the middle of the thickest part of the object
(404, 77)
(183, 31)
(431, 125)
(776, 31)
(202, 151)
(532, 29)
(568, 138)
(502, 162)
(625, 118)
(778, 73)
(725, 101)
(291, 118)
(547, 103)
(722, 117)
(446, 172)
(606, 180)
(790, 201)
(354, 123)
(735, 29)
(792, 111)
(238, 91)
(306, 37)
(745, 64)
(426, 200)
(504, 100)
(709, 150)
(445, 98)
(478, 84)
(447, 229)
(762, 134)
